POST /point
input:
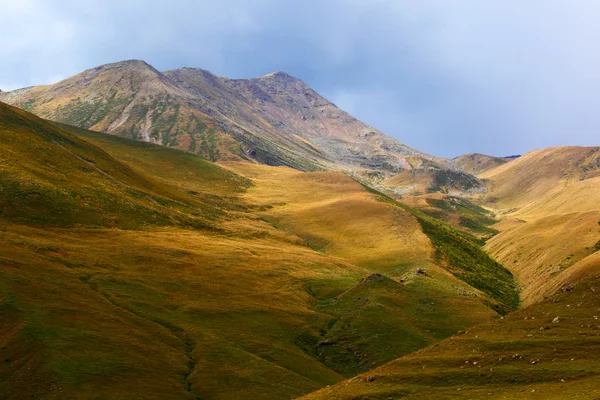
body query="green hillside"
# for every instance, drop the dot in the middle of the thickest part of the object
(545, 351)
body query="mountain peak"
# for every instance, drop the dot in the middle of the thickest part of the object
(276, 118)
(278, 76)
(140, 65)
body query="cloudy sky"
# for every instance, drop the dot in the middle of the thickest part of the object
(445, 76)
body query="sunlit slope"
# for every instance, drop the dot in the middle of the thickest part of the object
(335, 215)
(545, 351)
(551, 225)
(543, 252)
(130, 270)
(531, 177)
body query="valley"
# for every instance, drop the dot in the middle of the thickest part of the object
(180, 235)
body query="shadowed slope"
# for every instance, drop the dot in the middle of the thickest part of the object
(50, 176)
(545, 351)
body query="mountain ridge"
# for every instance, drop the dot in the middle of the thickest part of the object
(275, 119)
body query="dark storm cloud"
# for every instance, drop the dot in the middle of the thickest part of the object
(448, 77)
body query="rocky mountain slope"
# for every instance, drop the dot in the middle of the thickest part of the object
(275, 119)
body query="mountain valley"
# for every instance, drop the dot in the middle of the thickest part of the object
(179, 235)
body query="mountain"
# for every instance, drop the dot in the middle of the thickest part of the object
(131, 269)
(275, 119)
(315, 250)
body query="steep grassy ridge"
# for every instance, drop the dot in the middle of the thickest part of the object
(50, 176)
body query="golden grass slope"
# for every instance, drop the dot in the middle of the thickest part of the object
(552, 220)
(333, 214)
(531, 177)
(175, 278)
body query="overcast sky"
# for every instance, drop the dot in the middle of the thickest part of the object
(448, 77)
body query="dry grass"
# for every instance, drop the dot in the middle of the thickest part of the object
(553, 221)
(542, 251)
(333, 213)
(531, 177)
(121, 306)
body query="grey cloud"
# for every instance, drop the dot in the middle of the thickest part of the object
(445, 76)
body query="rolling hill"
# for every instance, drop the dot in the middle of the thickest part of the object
(549, 201)
(131, 269)
(476, 163)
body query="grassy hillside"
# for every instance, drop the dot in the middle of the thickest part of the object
(545, 351)
(335, 215)
(51, 177)
(129, 268)
(552, 226)
(531, 177)
(544, 252)
(463, 256)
